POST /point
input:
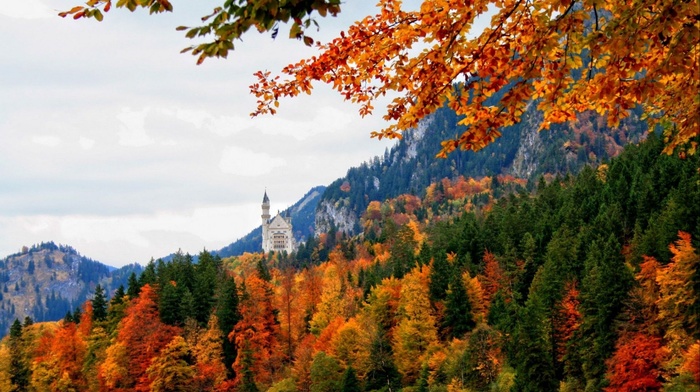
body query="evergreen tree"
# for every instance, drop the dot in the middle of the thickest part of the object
(169, 300)
(118, 296)
(534, 360)
(148, 276)
(350, 383)
(228, 315)
(604, 289)
(383, 372)
(422, 385)
(325, 373)
(440, 276)
(187, 305)
(134, 288)
(19, 369)
(77, 315)
(458, 318)
(263, 271)
(115, 312)
(16, 330)
(247, 376)
(402, 252)
(204, 289)
(99, 305)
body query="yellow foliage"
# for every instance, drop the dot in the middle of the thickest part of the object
(416, 333)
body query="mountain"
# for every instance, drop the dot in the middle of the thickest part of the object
(522, 151)
(46, 281)
(587, 281)
(303, 222)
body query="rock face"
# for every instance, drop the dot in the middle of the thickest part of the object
(338, 213)
(46, 281)
(522, 151)
(525, 163)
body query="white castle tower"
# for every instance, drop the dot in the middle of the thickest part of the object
(277, 233)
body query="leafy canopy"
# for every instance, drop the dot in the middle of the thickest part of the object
(568, 55)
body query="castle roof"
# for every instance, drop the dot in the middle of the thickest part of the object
(278, 223)
(266, 199)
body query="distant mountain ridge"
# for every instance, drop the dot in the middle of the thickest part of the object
(522, 151)
(46, 281)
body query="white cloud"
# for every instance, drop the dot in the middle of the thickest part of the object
(326, 119)
(26, 9)
(133, 132)
(196, 117)
(220, 125)
(157, 234)
(46, 140)
(241, 162)
(96, 88)
(86, 143)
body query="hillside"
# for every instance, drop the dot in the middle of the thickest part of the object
(46, 281)
(523, 152)
(585, 282)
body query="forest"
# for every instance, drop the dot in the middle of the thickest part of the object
(575, 283)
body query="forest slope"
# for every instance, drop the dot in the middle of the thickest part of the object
(587, 282)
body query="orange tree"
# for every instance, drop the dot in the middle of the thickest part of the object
(565, 56)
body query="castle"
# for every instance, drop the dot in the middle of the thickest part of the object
(277, 234)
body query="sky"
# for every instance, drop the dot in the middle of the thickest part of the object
(114, 143)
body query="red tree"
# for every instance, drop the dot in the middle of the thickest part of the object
(143, 335)
(259, 330)
(634, 367)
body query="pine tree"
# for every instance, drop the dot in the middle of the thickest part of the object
(169, 300)
(133, 286)
(115, 312)
(350, 383)
(204, 289)
(422, 385)
(440, 276)
(604, 289)
(325, 373)
(458, 318)
(247, 377)
(263, 271)
(148, 276)
(77, 315)
(383, 371)
(99, 305)
(534, 360)
(118, 296)
(228, 315)
(19, 369)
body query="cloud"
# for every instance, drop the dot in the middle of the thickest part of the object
(133, 132)
(118, 240)
(86, 143)
(46, 140)
(26, 9)
(242, 162)
(129, 150)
